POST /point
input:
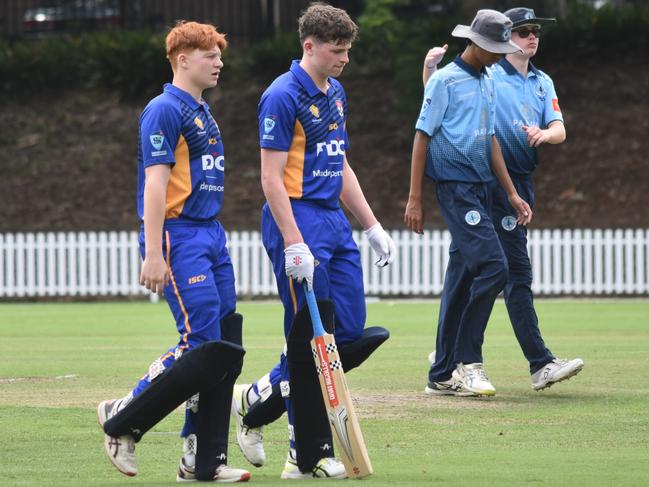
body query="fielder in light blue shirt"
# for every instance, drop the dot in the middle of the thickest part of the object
(455, 145)
(527, 115)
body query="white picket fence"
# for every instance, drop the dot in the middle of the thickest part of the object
(565, 262)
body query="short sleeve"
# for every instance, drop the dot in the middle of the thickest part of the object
(160, 128)
(551, 109)
(434, 105)
(276, 115)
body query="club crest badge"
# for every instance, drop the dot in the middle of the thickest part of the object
(314, 111)
(199, 123)
(269, 124)
(339, 105)
(157, 140)
(472, 217)
(508, 223)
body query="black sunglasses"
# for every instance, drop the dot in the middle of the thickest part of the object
(525, 32)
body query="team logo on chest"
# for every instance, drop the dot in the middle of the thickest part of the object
(314, 111)
(199, 123)
(339, 105)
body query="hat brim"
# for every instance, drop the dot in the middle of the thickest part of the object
(541, 22)
(465, 32)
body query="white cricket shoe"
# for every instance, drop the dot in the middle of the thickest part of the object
(474, 379)
(120, 450)
(451, 387)
(223, 474)
(250, 440)
(187, 465)
(556, 371)
(326, 468)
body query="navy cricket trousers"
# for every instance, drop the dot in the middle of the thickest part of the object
(475, 275)
(518, 290)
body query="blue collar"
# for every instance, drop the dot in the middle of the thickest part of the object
(305, 80)
(182, 94)
(510, 69)
(468, 68)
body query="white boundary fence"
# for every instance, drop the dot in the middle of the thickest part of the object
(573, 262)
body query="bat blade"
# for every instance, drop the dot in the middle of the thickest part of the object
(340, 409)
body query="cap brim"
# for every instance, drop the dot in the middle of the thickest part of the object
(507, 47)
(541, 22)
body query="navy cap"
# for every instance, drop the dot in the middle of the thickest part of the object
(526, 16)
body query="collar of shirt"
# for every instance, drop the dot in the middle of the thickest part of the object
(510, 69)
(305, 80)
(183, 96)
(468, 68)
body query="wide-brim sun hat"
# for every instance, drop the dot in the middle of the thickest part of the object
(489, 30)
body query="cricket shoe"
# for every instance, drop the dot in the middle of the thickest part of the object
(326, 468)
(250, 440)
(556, 371)
(223, 474)
(451, 387)
(187, 466)
(120, 450)
(473, 378)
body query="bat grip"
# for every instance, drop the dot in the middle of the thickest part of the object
(318, 329)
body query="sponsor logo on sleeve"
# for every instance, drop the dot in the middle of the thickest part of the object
(157, 140)
(555, 105)
(269, 125)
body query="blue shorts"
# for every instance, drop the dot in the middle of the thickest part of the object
(338, 272)
(201, 288)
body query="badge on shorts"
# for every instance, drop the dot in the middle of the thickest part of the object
(508, 222)
(157, 140)
(472, 217)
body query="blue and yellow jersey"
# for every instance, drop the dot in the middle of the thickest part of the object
(298, 118)
(458, 113)
(177, 130)
(530, 101)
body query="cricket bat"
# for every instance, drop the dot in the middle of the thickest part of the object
(338, 402)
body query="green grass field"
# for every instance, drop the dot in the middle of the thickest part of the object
(59, 360)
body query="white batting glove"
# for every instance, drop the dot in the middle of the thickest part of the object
(299, 263)
(382, 244)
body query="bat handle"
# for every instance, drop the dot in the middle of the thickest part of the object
(318, 329)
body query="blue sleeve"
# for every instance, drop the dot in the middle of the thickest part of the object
(276, 115)
(551, 109)
(434, 105)
(160, 127)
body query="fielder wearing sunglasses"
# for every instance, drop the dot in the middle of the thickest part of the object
(525, 32)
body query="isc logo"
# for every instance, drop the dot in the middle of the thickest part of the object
(197, 279)
(210, 163)
(334, 147)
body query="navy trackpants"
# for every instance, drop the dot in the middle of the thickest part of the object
(476, 273)
(518, 290)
